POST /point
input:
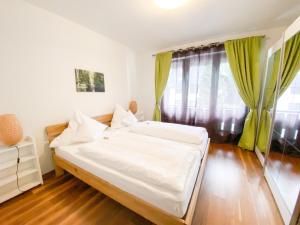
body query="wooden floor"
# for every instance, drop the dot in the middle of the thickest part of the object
(233, 192)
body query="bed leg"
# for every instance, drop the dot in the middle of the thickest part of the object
(58, 171)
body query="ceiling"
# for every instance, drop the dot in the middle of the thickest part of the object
(140, 24)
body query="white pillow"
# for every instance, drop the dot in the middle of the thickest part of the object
(65, 138)
(122, 118)
(130, 119)
(81, 128)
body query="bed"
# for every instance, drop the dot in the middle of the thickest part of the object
(156, 198)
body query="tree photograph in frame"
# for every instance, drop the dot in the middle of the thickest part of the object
(87, 81)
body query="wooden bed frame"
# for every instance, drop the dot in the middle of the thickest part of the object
(141, 207)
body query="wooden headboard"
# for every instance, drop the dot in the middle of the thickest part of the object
(53, 131)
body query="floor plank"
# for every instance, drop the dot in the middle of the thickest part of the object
(233, 192)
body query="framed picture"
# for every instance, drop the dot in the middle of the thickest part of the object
(87, 81)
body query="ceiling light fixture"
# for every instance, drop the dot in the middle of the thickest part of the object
(169, 4)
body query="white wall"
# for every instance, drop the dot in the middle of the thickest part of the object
(38, 54)
(143, 84)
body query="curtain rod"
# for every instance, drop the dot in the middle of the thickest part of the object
(194, 47)
(208, 45)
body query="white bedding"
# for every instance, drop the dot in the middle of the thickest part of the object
(162, 163)
(129, 161)
(170, 131)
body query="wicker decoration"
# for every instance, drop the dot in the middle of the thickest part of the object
(10, 129)
(133, 106)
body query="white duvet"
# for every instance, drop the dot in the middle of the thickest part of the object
(170, 131)
(163, 163)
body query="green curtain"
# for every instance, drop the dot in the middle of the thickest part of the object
(291, 62)
(291, 66)
(244, 60)
(162, 69)
(268, 100)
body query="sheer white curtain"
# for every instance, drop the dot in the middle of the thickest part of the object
(201, 92)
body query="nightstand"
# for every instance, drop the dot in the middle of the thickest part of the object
(13, 183)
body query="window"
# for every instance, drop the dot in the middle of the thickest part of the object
(287, 120)
(201, 92)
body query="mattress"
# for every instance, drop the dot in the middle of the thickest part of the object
(173, 201)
